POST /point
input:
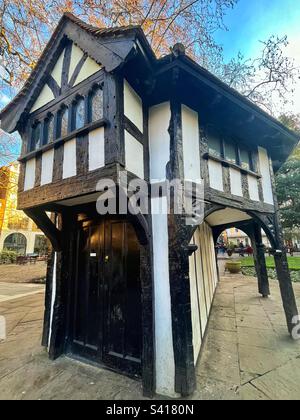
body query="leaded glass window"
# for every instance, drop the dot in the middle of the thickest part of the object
(63, 122)
(49, 130)
(35, 137)
(245, 158)
(214, 145)
(96, 105)
(79, 117)
(230, 152)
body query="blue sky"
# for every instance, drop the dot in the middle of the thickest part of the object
(249, 22)
(253, 20)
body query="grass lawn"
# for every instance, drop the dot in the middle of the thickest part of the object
(294, 262)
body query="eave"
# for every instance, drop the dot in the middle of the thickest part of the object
(227, 102)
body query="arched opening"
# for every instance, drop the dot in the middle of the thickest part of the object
(16, 242)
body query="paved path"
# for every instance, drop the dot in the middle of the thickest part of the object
(22, 273)
(10, 291)
(247, 353)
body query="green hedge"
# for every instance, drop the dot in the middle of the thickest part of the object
(294, 262)
(8, 257)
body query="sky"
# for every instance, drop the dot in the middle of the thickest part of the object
(252, 21)
(248, 23)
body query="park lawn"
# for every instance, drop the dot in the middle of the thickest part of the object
(294, 262)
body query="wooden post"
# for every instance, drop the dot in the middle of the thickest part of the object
(260, 262)
(282, 268)
(286, 289)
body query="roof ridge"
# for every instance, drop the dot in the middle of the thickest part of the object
(83, 25)
(96, 29)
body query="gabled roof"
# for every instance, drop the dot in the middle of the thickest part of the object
(100, 45)
(112, 47)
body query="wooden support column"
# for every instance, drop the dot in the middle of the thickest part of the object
(185, 377)
(286, 289)
(284, 277)
(260, 261)
(65, 223)
(281, 262)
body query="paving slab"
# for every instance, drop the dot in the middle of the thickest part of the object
(247, 353)
(282, 383)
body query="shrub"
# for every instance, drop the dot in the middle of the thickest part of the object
(8, 257)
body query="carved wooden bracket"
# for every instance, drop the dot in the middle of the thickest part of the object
(43, 222)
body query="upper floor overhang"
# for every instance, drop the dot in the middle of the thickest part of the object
(175, 75)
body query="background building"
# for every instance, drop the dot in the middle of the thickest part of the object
(17, 232)
(237, 236)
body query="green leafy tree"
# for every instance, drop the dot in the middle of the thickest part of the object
(288, 180)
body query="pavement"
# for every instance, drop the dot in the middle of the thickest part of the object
(28, 273)
(247, 354)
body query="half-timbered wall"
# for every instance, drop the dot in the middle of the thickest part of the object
(191, 144)
(159, 145)
(159, 140)
(203, 282)
(264, 165)
(134, 147)
(80, 68)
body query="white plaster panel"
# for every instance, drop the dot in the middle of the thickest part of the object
(89, 68)
(164, 361)
(266, 176)
(96, 149)
(236, 182)
(57, 71)
(133, 106)
(43, 99)
(29, 174)
(253, 188)
(134, 155)
(69, 165)
(159, 140)
(53, 297)
(47, 167)
(203, 282)
(215, 175)
(195, 310)
(76, 56)
(226, 216)
(191, 148)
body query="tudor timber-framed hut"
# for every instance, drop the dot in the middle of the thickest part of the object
(134, 292)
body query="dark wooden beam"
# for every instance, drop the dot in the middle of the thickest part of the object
(53, 86)
(66, 67)
(77, 70)
(260, 259)
(43, 222)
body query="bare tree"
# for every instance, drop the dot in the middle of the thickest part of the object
(268, 80)
(25, 26)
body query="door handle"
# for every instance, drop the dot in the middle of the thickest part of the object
(106, 259)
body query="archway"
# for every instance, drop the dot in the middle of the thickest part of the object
(16, 242)
(252, 222)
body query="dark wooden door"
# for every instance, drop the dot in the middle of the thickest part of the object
(107, 296)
